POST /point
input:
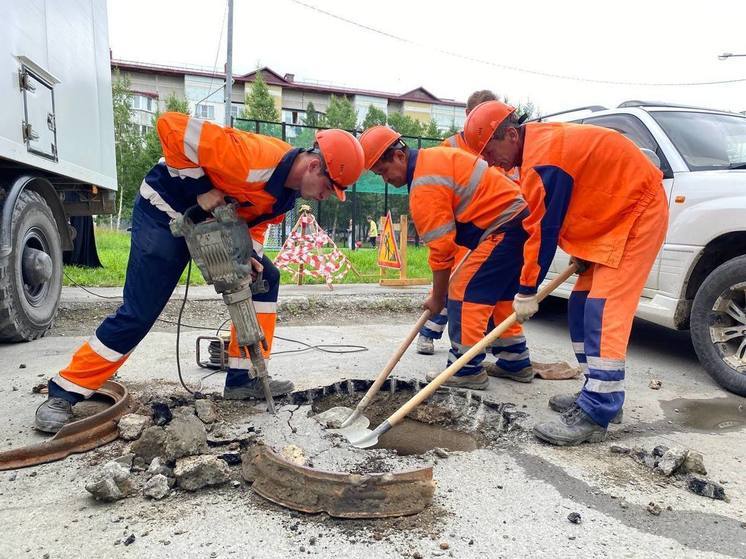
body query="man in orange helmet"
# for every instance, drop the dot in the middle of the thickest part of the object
(433, 329)
(203, 164)
(456, 200)
(593, 192)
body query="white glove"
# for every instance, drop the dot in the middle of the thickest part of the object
(525, 306)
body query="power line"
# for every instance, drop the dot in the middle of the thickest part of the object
(507, 66)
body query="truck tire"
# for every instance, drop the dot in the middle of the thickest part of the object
(31, 276)
(718, 325)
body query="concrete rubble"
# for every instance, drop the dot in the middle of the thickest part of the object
(205, 410)
(111, 483)
(195, 472)
(132, 425)
(676, 463)
(157, 487)
(185, 435)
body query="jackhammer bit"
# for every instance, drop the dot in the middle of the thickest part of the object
(222, 249)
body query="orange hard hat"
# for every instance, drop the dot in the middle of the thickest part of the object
(482, 122)
(375, 140)
(343, 157)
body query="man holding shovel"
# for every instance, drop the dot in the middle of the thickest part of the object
(457, 200)
(595, 194)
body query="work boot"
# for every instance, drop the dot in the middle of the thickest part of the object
(253, 389)
(53, 414)
(573, 427)
(478, 381)
(563, 402)
(425, 345)
(524, 375)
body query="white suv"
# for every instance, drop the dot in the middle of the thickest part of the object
(699, 278)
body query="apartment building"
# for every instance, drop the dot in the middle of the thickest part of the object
(152, 84)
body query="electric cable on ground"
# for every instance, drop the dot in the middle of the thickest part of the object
(324, 348)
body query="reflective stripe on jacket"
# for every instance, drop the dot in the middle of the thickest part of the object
(456, 199)
(246, 166)
(585, 186)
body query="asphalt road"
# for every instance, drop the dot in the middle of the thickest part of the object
(511, 501)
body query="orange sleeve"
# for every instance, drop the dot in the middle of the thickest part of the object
(431, 207)
(192, 142)
(533, 192)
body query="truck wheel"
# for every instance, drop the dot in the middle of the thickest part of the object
(31, 276)
(718, 325)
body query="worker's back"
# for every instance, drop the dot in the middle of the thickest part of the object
(606, 179)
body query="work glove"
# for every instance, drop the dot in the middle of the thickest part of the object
(525, 306)
(582, 265)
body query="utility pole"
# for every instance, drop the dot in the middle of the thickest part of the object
(229, 66)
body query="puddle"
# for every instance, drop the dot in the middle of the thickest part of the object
(716, 414)
(413, 437)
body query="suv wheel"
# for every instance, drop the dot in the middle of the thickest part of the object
(718, 325)
(31, 276)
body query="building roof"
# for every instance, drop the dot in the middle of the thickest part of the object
(419, 94)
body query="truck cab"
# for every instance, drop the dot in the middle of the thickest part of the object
(57, 156)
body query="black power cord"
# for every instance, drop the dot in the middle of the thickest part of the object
(324, 348)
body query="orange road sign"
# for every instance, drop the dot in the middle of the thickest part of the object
(388, 250)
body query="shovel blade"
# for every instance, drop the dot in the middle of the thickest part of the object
(364, 438)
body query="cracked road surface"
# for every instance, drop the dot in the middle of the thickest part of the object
(511, 501)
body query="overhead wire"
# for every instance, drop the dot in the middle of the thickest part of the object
(509, 67)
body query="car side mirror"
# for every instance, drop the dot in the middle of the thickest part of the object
(650, 154)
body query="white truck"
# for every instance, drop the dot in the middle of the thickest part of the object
(56, 149)
(699, 278)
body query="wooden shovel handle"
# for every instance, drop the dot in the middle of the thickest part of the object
(476, 349)
(384, 374)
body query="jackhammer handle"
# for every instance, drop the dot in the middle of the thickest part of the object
(479, 347)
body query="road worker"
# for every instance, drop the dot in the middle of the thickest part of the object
(434, 328)
(593, 192)
(203, 164)
(455, 201)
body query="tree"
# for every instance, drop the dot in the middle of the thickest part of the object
(452, 130)
(341, 114)
(177, 104)
(528, 108)
(127, 145)
(374, 117)
(432, 131)
(259, 102)
(313, 118)
(405, 125)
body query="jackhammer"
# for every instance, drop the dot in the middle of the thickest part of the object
(222, 249)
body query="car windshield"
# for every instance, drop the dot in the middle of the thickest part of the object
(706, 141)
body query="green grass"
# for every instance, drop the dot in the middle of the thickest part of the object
(113, 251)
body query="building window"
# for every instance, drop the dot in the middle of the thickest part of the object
(291, 116)
(235, 110)
(205, 111)
(142, 103)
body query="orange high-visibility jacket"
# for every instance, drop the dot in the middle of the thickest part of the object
(456, 199)
(238, 163)
(585, 187)
(457, 141)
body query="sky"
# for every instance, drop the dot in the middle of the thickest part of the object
(453, 48)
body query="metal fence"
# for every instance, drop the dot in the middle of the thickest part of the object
(345, 222)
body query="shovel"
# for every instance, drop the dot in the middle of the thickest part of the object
(356, 422)
(365, 438)
(354, 419)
